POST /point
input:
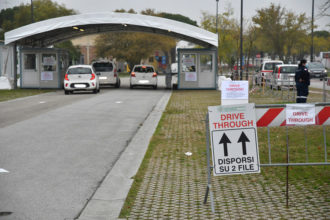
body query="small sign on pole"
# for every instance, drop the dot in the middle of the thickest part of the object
(234, 141)
(234, 92)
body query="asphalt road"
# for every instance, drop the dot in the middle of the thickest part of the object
(316, 83)
(59, 148)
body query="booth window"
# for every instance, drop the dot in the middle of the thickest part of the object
(206, 63)
(29, 61)
(48, 62)
(189, 63)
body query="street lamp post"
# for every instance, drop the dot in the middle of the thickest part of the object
(241, 43)
(32, 19)
(217, 32)
(312, 46)
(216, 18)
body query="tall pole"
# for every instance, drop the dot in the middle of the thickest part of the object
(241, 44)
(217, 32)
(32, 17)
(312, 46)
(216, 18)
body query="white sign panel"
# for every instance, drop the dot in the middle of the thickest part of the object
(47, 75)
(234, 140)
(235, 90)
(188, 61)
(191, 76)
(300, 114)
(49, 61)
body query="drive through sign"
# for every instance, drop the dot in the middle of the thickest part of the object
(234, 140)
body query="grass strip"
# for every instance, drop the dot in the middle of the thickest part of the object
(6, 95)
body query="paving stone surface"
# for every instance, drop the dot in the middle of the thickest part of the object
(174, 184)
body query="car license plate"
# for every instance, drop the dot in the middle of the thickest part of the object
(317, 75)
(103, 77)
(143, 81)
(80, 86)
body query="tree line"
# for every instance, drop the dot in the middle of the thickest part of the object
(275, 31)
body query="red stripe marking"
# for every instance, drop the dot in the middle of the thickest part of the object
(269, 116)
(323, 116)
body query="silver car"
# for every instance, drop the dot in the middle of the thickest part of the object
(107, 73)
(81, 78)
(284, 75)
(143, 75)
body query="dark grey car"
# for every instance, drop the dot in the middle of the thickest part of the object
(316, 70)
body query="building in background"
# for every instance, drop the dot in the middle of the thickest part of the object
(87, 48)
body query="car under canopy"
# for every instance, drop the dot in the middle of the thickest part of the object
(51, 31)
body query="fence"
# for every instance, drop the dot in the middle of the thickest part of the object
(274, 116)
(286, 89)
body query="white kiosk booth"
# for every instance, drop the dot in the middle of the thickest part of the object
(43, 68)
(197, 68)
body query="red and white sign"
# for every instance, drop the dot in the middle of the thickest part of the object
(300, 114)
(273, 117)
(234, 140)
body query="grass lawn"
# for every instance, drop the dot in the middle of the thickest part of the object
(171, 178)
(19, 93)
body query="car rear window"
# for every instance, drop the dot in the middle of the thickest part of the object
(288, 69)
(80, 70)
(271, 66)
(143, 69)
(315, 65)
(103, 67)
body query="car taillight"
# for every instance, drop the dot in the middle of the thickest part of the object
(115, 75)
(132, 74)
(93, 76)
(279, 73)
(66, 77)
(154, 75)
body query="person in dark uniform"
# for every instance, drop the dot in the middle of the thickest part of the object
(302, 82)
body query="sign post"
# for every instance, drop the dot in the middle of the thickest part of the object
(232, 135)
(234, 141)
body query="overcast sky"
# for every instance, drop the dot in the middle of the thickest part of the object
(190, 8)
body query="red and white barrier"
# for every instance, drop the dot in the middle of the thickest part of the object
(273, 117)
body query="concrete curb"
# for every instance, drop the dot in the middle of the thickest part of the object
(110, 196)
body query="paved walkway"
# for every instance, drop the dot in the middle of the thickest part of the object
(174, 184)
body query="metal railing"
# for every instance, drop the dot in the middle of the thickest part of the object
(286, 164)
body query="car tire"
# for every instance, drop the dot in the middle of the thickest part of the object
(66, 92)
(95, 91)
(117, 84)
(155, 87)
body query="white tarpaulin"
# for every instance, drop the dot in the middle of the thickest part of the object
(57, 29)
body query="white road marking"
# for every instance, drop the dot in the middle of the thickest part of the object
(3, 171)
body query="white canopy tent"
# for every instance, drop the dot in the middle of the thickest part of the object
(48, 32)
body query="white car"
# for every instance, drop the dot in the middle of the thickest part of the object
(143, 75)
(266, 69)
(81, 78)
(108, 73)
(284, 75)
